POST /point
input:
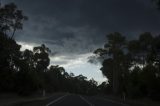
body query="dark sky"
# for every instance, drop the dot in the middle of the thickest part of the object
(84, 23)
(72, 28)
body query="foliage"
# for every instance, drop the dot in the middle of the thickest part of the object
(157, 3)
(132, 67)
(11, 19)
(26, 72)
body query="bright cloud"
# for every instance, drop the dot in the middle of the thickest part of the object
(28, 46)
(75, 63)
(78, 64)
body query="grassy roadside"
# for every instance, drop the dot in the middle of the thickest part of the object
(131, 102)
(9, 99)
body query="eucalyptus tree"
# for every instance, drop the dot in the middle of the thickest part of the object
(140, 49)
(144, 76)
(113, 52)
(9, 55)
(41, 62)
(11, 19)
(41, 58)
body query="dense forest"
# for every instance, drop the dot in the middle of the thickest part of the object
(131, 66)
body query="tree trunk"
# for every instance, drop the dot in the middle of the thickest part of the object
(13, 33)
(115, 80)
(44, 92)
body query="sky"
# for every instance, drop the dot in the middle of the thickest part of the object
(73, 29)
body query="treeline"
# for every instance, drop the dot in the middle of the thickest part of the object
(132, 66)
(26, 72)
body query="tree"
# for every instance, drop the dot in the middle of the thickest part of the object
(157, 3)
(144, 56)
(11, 19)
(104, 88)
(141, 49)
(41, 57)
(54, 78)
(26, 72)
(41, 62)
(9, 54)
(113, 49)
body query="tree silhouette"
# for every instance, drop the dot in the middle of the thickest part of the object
(132, 67)
(26, 72)
(41, 57)
(157, 3)
(9, 53)
(11, 19)
(113, 49)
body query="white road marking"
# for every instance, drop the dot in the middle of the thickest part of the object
(89, 103)
(113, 101)
(56, 100)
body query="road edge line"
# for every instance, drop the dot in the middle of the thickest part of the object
(89, 103)
(54, 101)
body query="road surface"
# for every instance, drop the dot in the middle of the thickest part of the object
(72, 100)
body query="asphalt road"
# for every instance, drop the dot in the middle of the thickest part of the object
(72, 100)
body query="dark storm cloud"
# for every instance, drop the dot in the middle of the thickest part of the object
(79, 26)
